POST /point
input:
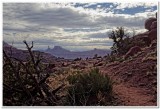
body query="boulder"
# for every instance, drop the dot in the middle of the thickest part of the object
(153, 44)
(148, 23)
(154, 25)
(132, 51)
(153, 34)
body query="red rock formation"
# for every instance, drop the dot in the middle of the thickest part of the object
(151, 25)
(148, 23)
(154, 25)
(153, 34)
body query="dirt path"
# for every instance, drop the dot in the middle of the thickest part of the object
(127, 88)
(132, 96)
(129, 95)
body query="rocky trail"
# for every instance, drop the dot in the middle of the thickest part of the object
(134, 82)
(130, 95)
(133, 96)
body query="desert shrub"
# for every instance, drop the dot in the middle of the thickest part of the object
(24, 83)
(122, 42)
(89, 89)
(118, 37)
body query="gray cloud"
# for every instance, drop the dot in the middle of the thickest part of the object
(63, 25)
(65, 17)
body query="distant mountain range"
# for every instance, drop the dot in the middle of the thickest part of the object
(58, 51)
(24, 54)
(54, 53)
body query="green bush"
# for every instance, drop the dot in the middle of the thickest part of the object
(119, 36)
(89, 89)
(122, 42)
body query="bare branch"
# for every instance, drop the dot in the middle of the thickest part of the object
(12, 88)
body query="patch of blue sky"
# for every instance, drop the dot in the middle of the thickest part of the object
(132, 11)
(94, 5)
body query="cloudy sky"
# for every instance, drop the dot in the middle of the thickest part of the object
(74, 26)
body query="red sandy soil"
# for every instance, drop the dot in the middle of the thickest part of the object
(132, 84)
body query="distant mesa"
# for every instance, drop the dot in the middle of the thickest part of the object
(58, 51)
(57, 47)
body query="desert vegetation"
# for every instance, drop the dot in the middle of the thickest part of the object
(89, 89)
(25, 83)
(99, 81)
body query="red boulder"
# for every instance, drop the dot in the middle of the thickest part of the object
(154, 25)
(153, 34)
(132, 51)
(148, 23)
